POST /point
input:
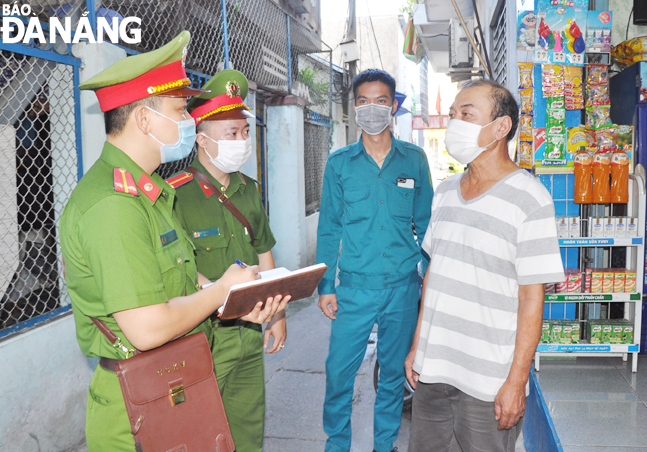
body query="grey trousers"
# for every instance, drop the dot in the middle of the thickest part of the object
(445, 419)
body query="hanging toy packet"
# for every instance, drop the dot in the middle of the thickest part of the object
(559, 36)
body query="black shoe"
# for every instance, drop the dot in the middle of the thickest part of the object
(395, 449)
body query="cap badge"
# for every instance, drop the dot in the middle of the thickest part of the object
(184, 51)
(232, 88)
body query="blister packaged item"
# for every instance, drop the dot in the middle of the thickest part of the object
(598, 117)
(525, 75)
(526, 96)
(552, 80)
(597, 94)
(597, 74)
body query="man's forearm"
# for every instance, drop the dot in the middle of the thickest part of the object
(529, 320)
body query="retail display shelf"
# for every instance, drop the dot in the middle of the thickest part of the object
(593, 297)
(588, 348)
(602, 241)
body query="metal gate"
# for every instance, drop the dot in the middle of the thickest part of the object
(40, 164)
(316, 138)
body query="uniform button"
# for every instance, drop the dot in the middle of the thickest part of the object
(208, 248)
(381, 201)
(406, 195)
(179, 260)
(382, 228)
(233, 235)
(164, 194)
(197, 286)
(223, 189)
(386, 285)
(386, 277)
(380, 176)
(384, 255)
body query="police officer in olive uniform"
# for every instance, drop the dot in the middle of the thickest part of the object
(127, 260)
(220, 238)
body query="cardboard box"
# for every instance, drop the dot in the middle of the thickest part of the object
(562, 227)
(621, 228)
(594, 333)
(597, 227)
(574, 281)
(574, 227)
(630, 281)
(549, 288)
(596, 280)
(545, 332)
(587, 280)
(619, 280)
(609, 227)
(632, 227)
(607, 281)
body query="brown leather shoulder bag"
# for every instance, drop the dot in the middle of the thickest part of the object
(172, 396)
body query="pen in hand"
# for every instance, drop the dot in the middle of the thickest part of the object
(241, 264)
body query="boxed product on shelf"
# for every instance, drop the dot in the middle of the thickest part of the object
(630, 281)
(574, 227)
(560, 331)
(596, 280)
(549, 288)
(609, 226)
(562, 227)
(607, 281)
(587, 280)
(596, 227)
(573, 281)
(612, 227)
(621, 228)
(619, 280)
(632, 227)
(545, 332)
(610, 331)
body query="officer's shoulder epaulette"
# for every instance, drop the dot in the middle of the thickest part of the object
(413, 147)
(247, 178)
(179, 179)
(124, 182)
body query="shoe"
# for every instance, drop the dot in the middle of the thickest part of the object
(395, 449)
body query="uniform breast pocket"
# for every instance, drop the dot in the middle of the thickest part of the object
(173, 259)
(208, 244)
(355, 206)
(401, 202)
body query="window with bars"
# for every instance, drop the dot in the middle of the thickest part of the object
(499, 43)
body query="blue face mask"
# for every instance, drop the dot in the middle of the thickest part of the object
(184, 145)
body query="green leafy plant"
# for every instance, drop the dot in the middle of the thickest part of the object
(319, 91)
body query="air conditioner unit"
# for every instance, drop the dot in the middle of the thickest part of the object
(461, 53)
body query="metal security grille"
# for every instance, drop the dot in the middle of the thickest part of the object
(316, 135)
(38, 170)
(499, 43)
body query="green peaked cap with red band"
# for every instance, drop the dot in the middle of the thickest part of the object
(156, 73)
(227, 91)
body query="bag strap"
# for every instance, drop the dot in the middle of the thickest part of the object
(223, 199)
(112, 337)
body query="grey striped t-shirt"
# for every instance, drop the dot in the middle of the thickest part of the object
(481, 251)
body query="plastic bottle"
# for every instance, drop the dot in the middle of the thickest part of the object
(601, 172)
(582, 162)
(620, 176)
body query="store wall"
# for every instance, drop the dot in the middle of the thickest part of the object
(45, 380)
(621, 10)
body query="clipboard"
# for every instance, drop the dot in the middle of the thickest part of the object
(299, 284)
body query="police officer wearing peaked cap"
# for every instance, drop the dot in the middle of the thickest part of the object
(127, 260)
(220, 238)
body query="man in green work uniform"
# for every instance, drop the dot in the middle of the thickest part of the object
(127, 260)
(221, 236)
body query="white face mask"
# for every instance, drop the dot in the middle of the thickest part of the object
(373, 118)
(462, 140)
(232, 154)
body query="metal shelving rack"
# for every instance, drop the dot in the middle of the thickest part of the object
(635, 259)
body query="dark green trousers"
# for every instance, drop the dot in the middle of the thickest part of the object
(238, 360)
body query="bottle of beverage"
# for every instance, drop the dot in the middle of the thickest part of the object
(582, 162)
(601, 172)
(619, 176)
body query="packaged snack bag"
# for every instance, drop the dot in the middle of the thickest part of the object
(526, 101)
(525, 75)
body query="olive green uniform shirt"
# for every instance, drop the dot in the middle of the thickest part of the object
(122, 251)
(219, 238)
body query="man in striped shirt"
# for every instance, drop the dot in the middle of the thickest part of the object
(493, 246)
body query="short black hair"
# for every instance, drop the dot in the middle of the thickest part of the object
(374, 75)
(503, 103)
(116, 119)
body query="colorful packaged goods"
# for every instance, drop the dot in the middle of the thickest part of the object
(560, 331)
(573, 281)
(596, 280)
(525, 75)
(582, 163)
(573, 92)
(549, 288)
(630, 51)
(630, 281)
(610, 331)
(545, 332)
(597, 94)
(598, 117)
(619, 281)
(607, 281)
(526, 101)
(552, 80)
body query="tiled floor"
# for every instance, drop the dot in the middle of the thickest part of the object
(597, 404)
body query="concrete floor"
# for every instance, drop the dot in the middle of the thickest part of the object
(597, 404)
